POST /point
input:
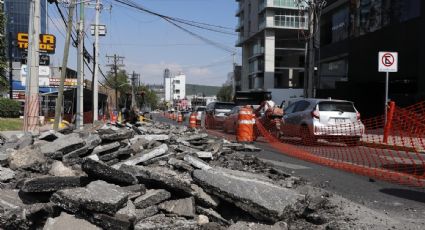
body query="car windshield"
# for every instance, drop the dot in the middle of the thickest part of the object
(336, 106)
(224, 106)
(200, 109)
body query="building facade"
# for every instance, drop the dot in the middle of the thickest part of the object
(17, 14)
(352, 32)
(273, 47)
(175, 87)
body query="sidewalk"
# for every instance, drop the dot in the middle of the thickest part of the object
(414, 144)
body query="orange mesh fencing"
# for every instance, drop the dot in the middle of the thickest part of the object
(359, 147)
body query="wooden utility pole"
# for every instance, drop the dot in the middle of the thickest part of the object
(58, 108)
(80, 66)
(117, 62)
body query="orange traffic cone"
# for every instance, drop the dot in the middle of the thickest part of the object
(179, 118)
(245, 129)
(192, 120)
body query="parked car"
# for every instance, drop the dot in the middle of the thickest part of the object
(198, 112)
(231, 121)
(215, 114)
(334, 120)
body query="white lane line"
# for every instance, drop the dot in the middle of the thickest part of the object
(285, 165)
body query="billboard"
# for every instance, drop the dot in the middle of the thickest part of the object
(47, 42)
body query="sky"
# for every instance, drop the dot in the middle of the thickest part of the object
(150, 44)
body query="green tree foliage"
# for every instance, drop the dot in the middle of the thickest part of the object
(225, 93)
(4, 83)
(9, 108)
(149, 98)
(119, 83)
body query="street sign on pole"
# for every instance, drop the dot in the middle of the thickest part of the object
(388, 63)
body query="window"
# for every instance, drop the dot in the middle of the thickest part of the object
(290, 108)
(336, 106)
(177, 91)
(176, 82)
(301, 106)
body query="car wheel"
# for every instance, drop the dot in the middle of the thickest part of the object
(306, 137)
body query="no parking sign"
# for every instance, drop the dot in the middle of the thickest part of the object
(388, 62)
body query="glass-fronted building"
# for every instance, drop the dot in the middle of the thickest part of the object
(17, 15)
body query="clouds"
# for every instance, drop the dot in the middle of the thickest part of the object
(153, 73)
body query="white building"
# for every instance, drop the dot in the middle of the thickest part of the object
(272, 52)
(175, 87)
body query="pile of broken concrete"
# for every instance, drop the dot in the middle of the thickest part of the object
(149, 176)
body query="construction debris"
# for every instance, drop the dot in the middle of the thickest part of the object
(145, 176)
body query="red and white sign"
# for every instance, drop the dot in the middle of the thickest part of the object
(388, 62)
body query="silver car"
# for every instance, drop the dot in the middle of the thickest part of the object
(334, 120)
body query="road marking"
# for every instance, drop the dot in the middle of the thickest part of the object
(285, 165)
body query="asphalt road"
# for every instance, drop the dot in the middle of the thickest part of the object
(381, 196)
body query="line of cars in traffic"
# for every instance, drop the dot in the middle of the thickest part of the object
(308, 118)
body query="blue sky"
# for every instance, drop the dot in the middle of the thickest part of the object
(150, 44)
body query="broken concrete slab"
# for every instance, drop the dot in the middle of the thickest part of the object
(241, 225)
(105, 149)
(116, 135)
(68, 222)
(135, 190)
(12, 215)
(74, 156)
(50, 135)
(162, 160)
(262, 199)
(128, 212)
(111, 222)
(212, 215)
(152, 197)
(64, 145)
(24, 141)
(196, 162)
(122, 153)
(6, 174)
(60, 170)
(98, 196)
(52, 184)
(182, 207)
(161, 177)
(204, 198)
(146, 212)
(179, 164)
(28, 159)
(204, 155)
(158, 151)
(162, 222)
(152, 137)
(100, 171)
(92, 140)
(193, 137)
(5, 152)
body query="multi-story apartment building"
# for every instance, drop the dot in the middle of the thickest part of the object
(271, 35)
(175, 87)
(352, 33)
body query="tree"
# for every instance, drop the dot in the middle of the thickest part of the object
(121, 84)
(146, 97)
(4, 83)
(225, 93)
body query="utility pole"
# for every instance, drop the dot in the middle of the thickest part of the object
(32, 105)
(80, 67)
(314, 8)
(134, 76)
(58, 108)
(117, 62)
(96, 64)
(10, 40)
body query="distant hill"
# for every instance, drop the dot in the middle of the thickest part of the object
(199, 89)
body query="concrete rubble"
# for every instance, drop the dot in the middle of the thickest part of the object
(144, 176)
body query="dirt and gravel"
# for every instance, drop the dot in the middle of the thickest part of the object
(160, 176)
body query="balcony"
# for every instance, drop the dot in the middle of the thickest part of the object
(239, 10)
(282, 4)
(239, 26)
(240, 41)
(286, 22)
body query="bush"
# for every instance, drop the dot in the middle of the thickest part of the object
(9, 108)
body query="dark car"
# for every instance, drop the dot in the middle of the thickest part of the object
(215, 114)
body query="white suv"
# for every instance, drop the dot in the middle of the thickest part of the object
(311, 119)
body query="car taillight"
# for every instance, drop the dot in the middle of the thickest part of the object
(358, 116)
(315, 113)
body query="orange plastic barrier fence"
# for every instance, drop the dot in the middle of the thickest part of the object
(359, 147)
